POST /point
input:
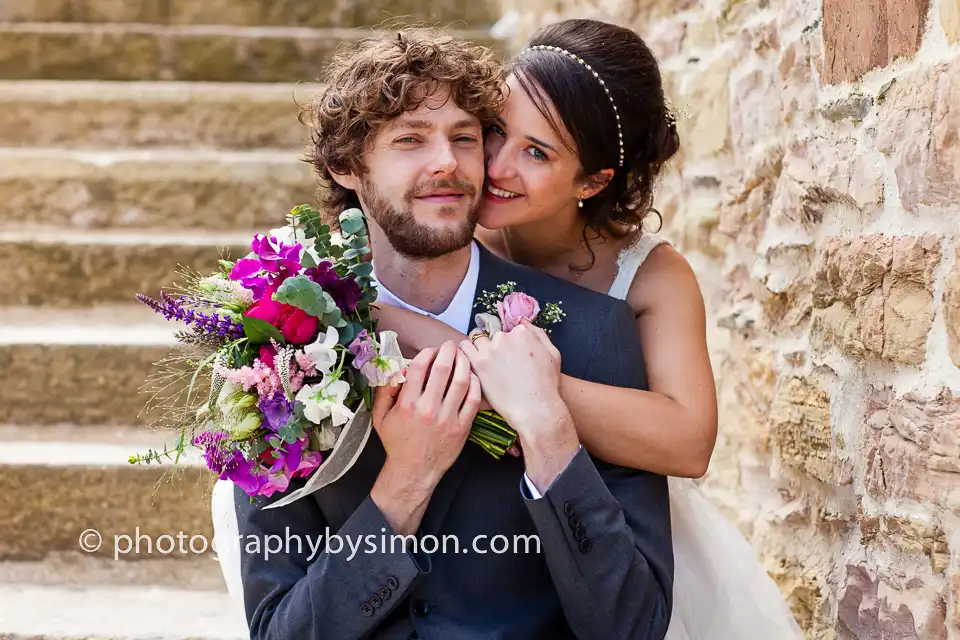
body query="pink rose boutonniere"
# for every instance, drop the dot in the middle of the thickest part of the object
(509, 307)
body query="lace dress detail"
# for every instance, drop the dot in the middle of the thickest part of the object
(721, 590)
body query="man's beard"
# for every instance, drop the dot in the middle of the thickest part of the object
(409, 236)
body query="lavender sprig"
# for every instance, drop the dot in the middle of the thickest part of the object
(172, 309)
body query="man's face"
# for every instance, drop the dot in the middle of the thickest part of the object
(425, 178)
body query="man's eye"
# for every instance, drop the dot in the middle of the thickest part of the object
(406, 139)
(466, 139)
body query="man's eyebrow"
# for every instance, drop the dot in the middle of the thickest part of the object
(414, 123)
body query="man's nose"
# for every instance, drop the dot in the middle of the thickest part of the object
(443, 161)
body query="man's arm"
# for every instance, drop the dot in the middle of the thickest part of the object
(296, 587)
(605, 530)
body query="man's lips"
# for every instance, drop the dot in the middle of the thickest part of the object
(442, 196)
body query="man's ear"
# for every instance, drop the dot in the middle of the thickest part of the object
(346, 180)
(594, 184)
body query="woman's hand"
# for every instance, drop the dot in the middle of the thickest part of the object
(519, 373)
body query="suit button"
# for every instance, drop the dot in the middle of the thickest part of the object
(421, 608)
(366, 609)
(579, 535)
(392, 584)
(384, 593)
(376, 601)
(574, 521)
(585, 545)
(568, 508)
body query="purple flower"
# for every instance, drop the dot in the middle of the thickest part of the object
(344, 291)
(172, 309)
(276, 411)
(362, 349)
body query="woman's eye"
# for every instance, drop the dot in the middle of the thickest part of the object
(537, 154)
(498, 131)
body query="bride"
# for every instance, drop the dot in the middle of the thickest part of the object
(571, 167)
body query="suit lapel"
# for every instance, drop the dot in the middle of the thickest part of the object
(491, 268)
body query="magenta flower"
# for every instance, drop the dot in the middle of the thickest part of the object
(275, 261)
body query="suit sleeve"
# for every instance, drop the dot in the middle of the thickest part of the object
(296, 586)
(605, 530)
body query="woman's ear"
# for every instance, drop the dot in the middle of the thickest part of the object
(594, 184)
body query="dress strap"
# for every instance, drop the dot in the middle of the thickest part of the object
(629, 261)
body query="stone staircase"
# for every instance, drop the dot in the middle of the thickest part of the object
(136, 136)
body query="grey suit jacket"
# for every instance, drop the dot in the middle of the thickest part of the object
(591, 559)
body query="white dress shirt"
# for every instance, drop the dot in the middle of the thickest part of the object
(456, 315)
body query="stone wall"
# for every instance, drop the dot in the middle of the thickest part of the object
(817, 195)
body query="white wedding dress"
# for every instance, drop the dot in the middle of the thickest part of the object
(721, 591)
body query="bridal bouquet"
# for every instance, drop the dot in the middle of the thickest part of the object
(287, 352)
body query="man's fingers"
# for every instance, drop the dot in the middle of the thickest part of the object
(542, 337)
(471, 404)
(417, 373)
(459, 385)
(383, 400)
(440, 373)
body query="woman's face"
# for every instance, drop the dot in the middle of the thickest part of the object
(531, 174)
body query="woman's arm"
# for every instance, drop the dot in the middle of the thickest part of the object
(671, 429)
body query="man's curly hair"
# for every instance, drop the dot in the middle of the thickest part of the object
(378, 80)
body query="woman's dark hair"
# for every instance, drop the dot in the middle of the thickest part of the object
(632, 76)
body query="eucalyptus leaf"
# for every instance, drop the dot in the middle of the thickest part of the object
(260, 331)
(307, 260)
(351, 221)
(350, 254)
(362, 270)
(304, 293)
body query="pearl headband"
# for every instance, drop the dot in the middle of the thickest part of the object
(575, 58)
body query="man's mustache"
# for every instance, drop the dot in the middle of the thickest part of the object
(426, 188)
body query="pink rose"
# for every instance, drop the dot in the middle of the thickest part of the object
(515, 306)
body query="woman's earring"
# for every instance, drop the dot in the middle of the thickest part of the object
(580, 203)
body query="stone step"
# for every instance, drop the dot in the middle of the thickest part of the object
(64, 495)
(151, 189)
(303, 13)
(96, 114)
(70, 269)
(92, 364)
(70, 596)
(104, 51)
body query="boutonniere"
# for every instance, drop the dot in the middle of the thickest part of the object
(506, 306)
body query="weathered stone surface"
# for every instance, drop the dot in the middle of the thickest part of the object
(101, 115)
(50, 505)
(147, 52)
(951, 310)
(918, 126)
(216, 191)
(97, 272)
(950, 19)
(252, 13)
(800, 419)
(748, 193)
(798, 93)
(908, 306)
(709, 133)
(876, 295)
(943, 173)
(860, 36)
(94, 384)
(912, 448)
(758, 112)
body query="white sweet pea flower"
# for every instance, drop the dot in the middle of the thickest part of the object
(387, 368)
(321, 352)
(327, 437)
(325, 400)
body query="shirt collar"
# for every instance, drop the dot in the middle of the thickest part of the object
(458, 312)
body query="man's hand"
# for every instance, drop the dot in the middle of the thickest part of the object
(519, 371)
(423, 426)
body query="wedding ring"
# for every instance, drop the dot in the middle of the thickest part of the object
(482, 334)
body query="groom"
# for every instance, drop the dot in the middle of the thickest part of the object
(399, 134)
